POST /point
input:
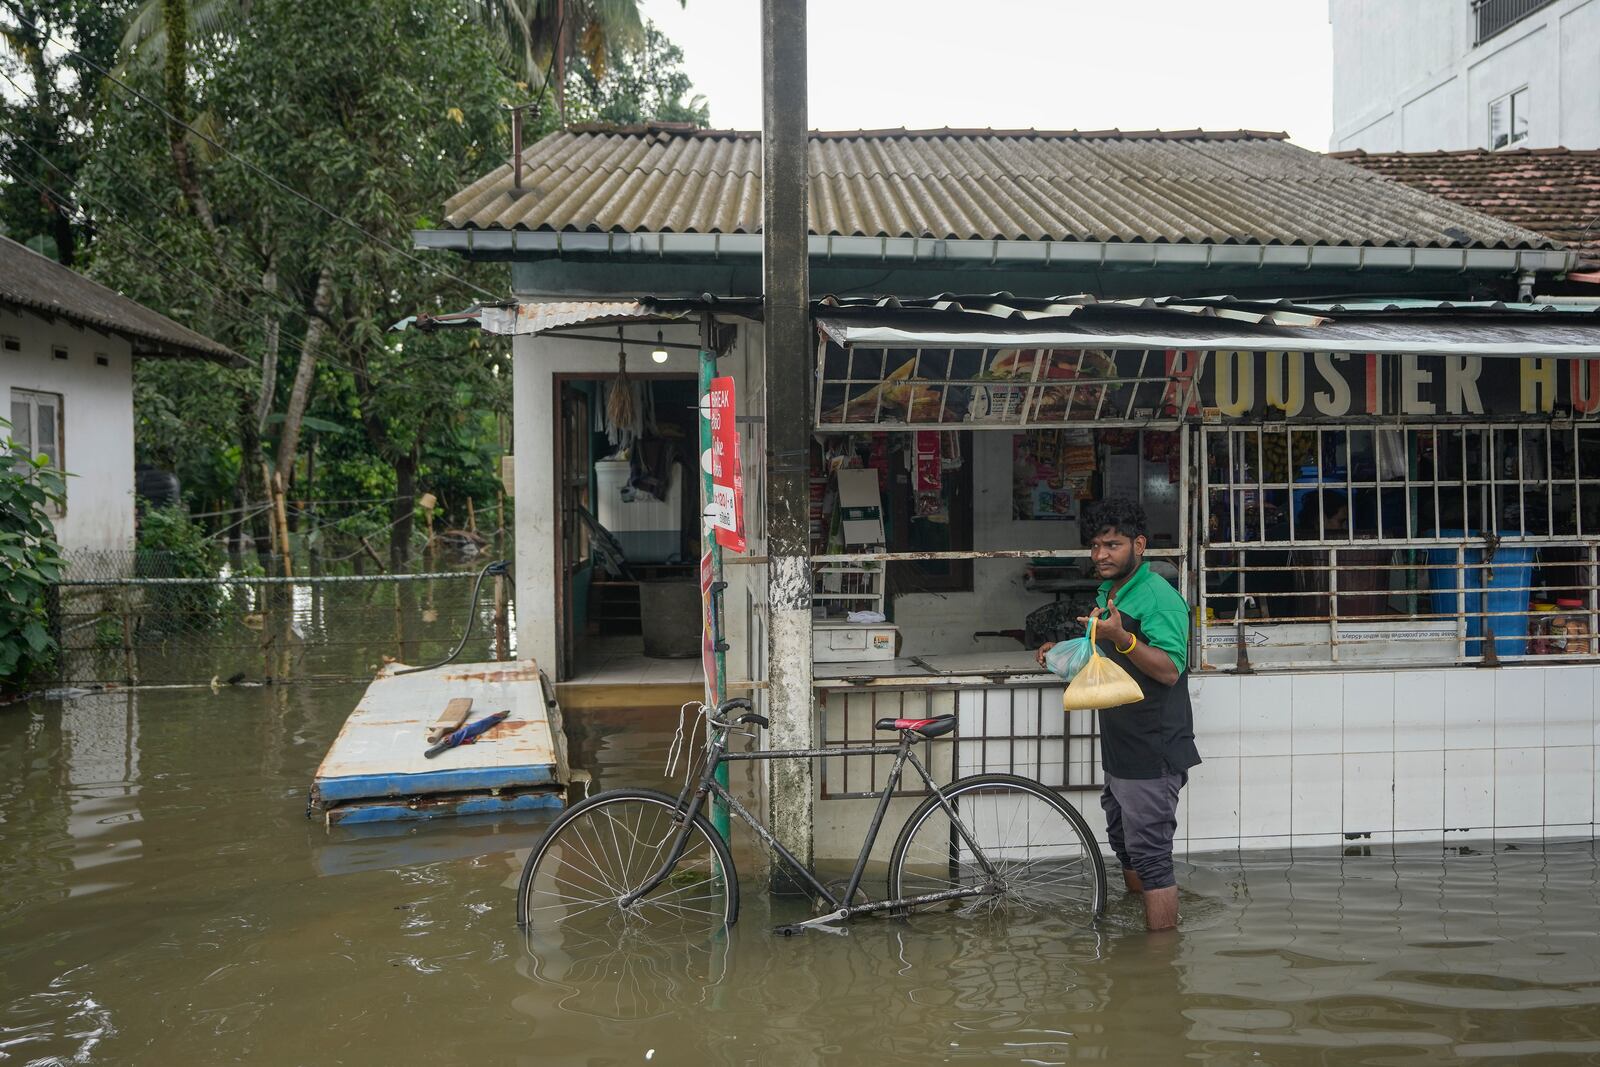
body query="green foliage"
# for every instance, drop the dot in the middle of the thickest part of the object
(49, 99)
(380, 121)
(30, 564)
(642, 81)
(171, 545)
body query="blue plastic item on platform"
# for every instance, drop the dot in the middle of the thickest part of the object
(1508, 607)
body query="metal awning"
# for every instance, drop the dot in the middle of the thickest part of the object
(1485, 330)
(514, 319)
(997, 362)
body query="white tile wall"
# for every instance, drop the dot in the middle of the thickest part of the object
(1469, 709)
(1519, 708)
(1212, 798)
(1316, 794)
(1569, 706)
(1569, 786)
(1404, 756)
(1469, 789)
(1369, 712)
(1368, 792)
(1419, 698)
(1264, 716)
(1303, 759)
(1264, 797)
(1419, 791)
(1318, 714)
(1216, 714)
(1518, 787)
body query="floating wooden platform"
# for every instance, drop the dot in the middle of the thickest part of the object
(375, 770)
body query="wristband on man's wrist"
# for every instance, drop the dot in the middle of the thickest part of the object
(1132, 640)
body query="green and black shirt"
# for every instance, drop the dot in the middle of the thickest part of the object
(1156, 734)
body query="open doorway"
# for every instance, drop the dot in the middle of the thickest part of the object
(628, 500)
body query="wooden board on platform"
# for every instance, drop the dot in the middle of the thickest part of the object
(450, 719)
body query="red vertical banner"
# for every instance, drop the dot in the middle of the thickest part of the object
(727, 476)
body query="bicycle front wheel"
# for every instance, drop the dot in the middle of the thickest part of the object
(1044, 858)
(605, 847)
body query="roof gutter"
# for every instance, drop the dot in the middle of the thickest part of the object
(981, 253)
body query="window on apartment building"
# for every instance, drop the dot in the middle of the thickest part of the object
(1495, 16)
(1508, 119)
(36, 425)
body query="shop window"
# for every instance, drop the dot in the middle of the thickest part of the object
(924, 518)
(36, 426)
(1508, 119)
(1405, 543)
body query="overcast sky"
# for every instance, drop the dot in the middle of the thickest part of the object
(1046, 64)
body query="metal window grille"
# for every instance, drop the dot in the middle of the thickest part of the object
(1013, 729)
(1430, 542)
(1495, 16)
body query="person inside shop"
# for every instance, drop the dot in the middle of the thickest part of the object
(1147, 747)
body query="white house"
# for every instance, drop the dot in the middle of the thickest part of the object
(1454, 74)
(67, 347)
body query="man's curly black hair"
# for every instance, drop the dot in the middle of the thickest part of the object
(1119, 513)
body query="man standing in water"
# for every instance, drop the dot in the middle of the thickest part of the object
(1146, 748)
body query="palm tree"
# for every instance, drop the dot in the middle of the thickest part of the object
(521, 33)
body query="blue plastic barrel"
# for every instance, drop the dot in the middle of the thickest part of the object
(1512, 567)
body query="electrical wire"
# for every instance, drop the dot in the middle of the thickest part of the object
(170, 117)
(498, 567)
(237, 318)
(288, 306)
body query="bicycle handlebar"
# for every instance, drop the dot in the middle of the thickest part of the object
(719, 715)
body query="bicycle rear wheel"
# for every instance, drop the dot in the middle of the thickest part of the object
(611, 844)
(1045, 858)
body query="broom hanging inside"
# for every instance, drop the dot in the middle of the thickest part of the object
(619, 405)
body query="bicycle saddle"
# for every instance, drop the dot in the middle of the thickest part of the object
(936, 727)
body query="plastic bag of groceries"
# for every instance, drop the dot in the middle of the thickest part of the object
(1066, 658)
(1099, 683)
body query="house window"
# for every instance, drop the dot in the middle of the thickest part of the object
(1508, 119)
(36, 424)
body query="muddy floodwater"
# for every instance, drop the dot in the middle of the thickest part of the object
(166, 901)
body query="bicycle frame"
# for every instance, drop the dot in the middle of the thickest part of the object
(690, 806)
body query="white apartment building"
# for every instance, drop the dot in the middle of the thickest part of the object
(1420, 75)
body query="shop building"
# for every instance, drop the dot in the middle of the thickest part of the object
(1372, 471)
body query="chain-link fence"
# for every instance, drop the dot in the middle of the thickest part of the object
(128, 618)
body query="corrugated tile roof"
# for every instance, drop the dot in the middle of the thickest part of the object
(1191, 186)
(1553, 191)
(38, 283)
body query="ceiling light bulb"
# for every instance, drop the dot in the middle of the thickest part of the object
(659, 353)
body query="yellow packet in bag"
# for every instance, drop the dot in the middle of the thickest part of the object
(1100, 684)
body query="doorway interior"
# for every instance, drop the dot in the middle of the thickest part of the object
(626, 449)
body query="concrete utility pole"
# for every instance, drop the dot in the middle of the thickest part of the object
(788, 350)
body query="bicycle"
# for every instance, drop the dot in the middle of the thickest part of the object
(993, 841)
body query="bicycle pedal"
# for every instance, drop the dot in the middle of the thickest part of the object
(796, 929)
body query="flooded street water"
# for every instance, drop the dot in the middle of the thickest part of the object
(167, 901)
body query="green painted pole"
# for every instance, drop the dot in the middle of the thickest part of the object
(716, 680)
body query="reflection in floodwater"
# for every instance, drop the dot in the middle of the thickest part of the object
(166, 901)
